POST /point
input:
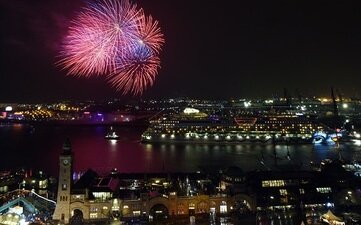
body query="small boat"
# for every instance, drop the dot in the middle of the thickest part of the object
(112, 135)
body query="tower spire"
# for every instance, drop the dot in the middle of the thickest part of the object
(335, 110)
(67, 147)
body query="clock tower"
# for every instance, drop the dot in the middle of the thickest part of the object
(62, 209)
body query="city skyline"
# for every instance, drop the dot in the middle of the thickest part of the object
(212, 50)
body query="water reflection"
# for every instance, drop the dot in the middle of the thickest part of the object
(91, 150)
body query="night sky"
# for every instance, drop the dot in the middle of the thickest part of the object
(213, 49)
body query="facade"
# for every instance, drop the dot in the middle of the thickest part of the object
(153, 207)
(174, 205)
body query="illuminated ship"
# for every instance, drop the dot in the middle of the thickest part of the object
(191, 125)
(112, 135)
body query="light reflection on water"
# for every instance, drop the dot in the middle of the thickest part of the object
(40, 149)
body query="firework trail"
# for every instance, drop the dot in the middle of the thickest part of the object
(117, 40)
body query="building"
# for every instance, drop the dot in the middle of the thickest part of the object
(62, 210)
(304, 190)
(152, 196)
(99, 198)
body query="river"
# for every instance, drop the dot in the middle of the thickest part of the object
(39, 146)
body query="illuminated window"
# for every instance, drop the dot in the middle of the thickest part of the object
(4, 189)
(102, 195)
(64, 187)
(93, 215)
(43, 184)
(136, 213)
(115, 208)
(191, 205)
(283, 192)
(273, 183)
(324, 190)
(223, 207)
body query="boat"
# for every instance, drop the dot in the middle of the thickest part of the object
(191, 125)
(112, 135)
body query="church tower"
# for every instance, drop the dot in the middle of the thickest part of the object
(62, 209)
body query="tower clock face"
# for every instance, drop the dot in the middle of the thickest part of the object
(65, 162)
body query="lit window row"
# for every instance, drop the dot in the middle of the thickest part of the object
(324, 189)
(273, 183)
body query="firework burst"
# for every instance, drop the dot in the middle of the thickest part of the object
(136, 71)
(115, 39)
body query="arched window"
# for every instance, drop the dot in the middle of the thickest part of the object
(191, 205)
(180, 208)
(212, 208)
(202, 207)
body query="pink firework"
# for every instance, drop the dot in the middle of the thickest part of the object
(115, 39)
(85, 53)
(98, 35)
